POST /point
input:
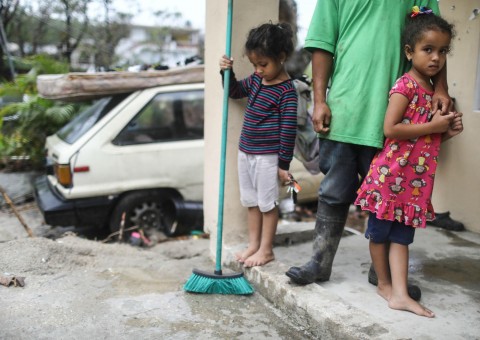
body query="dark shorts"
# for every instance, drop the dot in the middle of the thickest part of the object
(383, 231)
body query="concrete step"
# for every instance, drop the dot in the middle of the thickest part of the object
(347, 306)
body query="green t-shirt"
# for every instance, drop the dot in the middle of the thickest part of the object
(365, 40)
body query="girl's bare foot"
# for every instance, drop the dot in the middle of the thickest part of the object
(259, 259)
(242, 256)
(409, 305)
(384, 290)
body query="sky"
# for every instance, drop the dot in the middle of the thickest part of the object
(194, 11)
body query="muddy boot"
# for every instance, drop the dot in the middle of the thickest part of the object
(413, 291)
(328, 231)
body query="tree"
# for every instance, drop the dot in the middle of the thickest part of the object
(72, 12)
(66, 25)
(8, 8)
(57, 22)
(106, 32)
(31, 26)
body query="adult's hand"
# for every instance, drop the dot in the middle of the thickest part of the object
(322, 62)
(443, 102)
(441, 99)
(321, 118)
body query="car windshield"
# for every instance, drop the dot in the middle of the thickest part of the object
(86, 119)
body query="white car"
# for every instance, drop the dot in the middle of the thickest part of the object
(138, 153)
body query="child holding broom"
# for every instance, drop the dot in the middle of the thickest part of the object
(268, 134)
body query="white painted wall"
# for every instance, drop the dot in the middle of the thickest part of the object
(246, 15)
(457, 184)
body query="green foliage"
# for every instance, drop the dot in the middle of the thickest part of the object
(37, 117)
(44, 64)
(27, 83)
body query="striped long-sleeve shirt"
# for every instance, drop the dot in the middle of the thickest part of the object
(270, 121)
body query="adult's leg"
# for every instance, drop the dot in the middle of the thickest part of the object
(339, 162)
(328, 232)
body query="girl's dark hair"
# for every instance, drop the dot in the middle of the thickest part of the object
(415, 27)
(270, 40)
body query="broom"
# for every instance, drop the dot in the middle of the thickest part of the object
(217, 282)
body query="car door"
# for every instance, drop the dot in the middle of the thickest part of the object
(163, 144)
(156, 141)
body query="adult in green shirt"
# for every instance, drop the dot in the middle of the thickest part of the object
(357, 46)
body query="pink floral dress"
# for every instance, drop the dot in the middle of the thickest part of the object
(399, 183)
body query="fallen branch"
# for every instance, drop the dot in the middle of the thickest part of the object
(10, 203)
(122, 227)
(117, 233)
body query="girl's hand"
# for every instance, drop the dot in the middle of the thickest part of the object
(456, 126)
(441, 123)
(283, 176)
(225, 63)
(321, 118)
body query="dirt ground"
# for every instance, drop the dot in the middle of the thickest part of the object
(76, 288)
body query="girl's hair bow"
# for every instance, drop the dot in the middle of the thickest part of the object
(420, 10)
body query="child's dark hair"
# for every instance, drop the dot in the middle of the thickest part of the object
(416, 26)
(270, 40)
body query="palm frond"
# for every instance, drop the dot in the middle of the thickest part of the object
(60, 114)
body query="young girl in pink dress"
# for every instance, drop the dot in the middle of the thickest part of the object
(397, 189)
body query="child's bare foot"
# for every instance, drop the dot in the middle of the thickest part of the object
(409, 305)
(259, 259)
(384, 290)
(242, 256)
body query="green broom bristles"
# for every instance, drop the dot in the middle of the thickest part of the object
(203, 282)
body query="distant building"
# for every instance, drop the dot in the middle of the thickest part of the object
(159, 45)
(147, 45)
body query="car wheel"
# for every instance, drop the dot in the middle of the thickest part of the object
(149, 211)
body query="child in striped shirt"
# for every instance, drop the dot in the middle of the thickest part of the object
(268, 134)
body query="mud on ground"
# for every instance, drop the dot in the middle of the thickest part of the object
(77, 288)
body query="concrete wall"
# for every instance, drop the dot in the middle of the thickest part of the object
(457, 185)
(246, 15)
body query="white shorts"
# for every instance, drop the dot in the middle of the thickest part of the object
(258, 180)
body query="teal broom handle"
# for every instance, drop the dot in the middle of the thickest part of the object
(223, 154)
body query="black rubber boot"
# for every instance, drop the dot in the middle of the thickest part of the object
(443, 220)
(328, 232)
(413, 291)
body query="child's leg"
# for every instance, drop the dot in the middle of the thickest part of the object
(254, 223)
(399, 299)
(265, 251)
(379, 255)
(377, 232)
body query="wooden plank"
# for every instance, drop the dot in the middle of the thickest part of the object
(80, 86)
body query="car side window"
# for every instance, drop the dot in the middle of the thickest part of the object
(167, 117)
